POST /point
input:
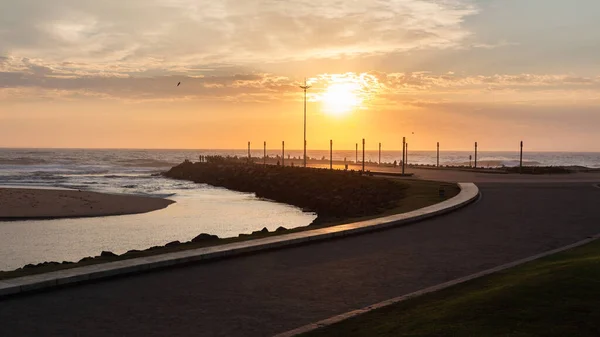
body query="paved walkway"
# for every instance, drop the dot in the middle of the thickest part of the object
(271, 292)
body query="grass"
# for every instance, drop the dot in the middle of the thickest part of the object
(418, 194)
(556, 296)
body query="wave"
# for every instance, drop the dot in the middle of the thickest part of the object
(129, 176)
(496, 163)
(159, 195)
(144, 163)
(22, 161)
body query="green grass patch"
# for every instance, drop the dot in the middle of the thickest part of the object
(555, 296)
(417, 194)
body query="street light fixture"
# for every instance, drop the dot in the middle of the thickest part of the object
(305, 87)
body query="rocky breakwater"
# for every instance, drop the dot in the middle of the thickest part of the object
(332, 194)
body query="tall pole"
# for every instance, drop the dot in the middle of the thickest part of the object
(475, 154)
(379, 153)
(331, 154)
(363, 163)
(403, 148)
(283, 153)
(265, 154)
(305, 88)
(438, 154)
(356, 160)
(521, 159)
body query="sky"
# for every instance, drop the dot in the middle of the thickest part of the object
(104, 74)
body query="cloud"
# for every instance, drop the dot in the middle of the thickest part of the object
(424, 81)
(148, 33)
(236, 84)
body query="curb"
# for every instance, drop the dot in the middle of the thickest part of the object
(22, 285)
(339, 318)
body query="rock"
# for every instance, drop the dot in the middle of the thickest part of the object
(281, 229)
(107, 254)
(174, 243)
(262, 231)
(86, 259)
(205, 238)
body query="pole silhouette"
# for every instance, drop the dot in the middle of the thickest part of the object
(331, 154)
(403, 148)
(521, 160)
(475, 154)
(265, 154)
(438, 154)
(363, 162)
(305, 88)
(283, 153)
(380, 154)
(356, 160)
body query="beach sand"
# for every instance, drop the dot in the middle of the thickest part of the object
(20, 203)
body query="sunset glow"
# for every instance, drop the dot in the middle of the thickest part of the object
(341, 98)
(452, 71)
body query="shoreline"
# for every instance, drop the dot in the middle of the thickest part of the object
(420, 194)
(21, 204)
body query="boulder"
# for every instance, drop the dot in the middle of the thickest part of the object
(171, 244)
(262, 231)
(108, 254)
(205, 238)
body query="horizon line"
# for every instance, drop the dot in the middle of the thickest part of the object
(272, 149)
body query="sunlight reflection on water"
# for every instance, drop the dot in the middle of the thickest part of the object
(202, 210)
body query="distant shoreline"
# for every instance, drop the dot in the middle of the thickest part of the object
(18, 204)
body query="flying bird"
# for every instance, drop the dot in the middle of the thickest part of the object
(178, 83)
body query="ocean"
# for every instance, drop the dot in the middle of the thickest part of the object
(198, 208)
(130, 171)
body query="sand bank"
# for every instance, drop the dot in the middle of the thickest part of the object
(21, 203)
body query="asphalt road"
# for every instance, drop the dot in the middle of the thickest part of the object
(271, 292)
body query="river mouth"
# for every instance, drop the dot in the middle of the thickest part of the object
(203, 209)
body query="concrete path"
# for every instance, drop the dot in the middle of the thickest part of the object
(271, 292)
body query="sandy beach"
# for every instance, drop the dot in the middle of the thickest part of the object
(21, 203)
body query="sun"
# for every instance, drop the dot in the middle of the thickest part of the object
(341, 98)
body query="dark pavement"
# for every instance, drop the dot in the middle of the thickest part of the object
(271, 292)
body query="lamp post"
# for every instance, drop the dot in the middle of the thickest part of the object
(305, 87)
